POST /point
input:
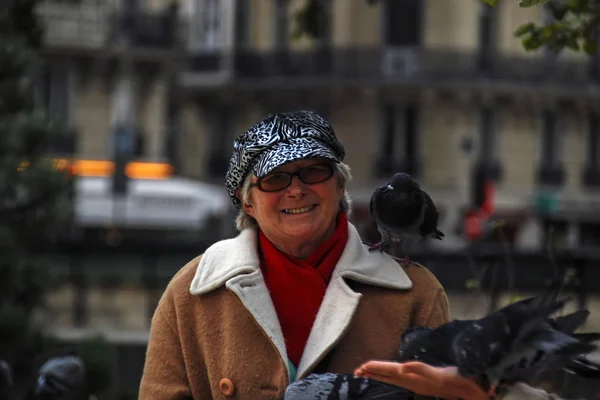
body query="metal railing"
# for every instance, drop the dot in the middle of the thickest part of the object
(82, 24)
(410, 65)
(98, 24)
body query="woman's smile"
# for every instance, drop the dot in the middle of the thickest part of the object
(300, 210)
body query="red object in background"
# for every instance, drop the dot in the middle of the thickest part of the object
(473, 224)
(476, 220)
(489, 193)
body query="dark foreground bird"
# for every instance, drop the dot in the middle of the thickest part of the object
(58, 377)
(403, 213)
(331, 386)
(514, 344)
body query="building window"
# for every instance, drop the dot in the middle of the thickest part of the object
(488, 142)
(212, 24)
(205, 27)
(56, 98)
(139, 143)
(243, 23)
(398, 140)
(591, 172)
(402, 22)
(488, 27)
(550, 170)
(223, 125)
(281, 24)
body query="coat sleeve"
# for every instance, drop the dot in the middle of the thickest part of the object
(164, 376)
(438, 312)
(431, 308)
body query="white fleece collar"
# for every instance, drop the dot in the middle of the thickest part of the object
(229, 258)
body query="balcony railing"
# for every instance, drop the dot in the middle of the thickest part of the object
(98, 24)
(413, 66)
(157, 29)
(75, 24)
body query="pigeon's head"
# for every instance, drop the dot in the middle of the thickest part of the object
(413, 333)
(403, 182)
(60, 375)
(411, 341)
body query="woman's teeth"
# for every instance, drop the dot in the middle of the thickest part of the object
(298, 210)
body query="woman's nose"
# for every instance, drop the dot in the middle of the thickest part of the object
(296, 188)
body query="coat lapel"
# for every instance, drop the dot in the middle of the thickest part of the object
(254, 295)
(341, 302)
(234, 263)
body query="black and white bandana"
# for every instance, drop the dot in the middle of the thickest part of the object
(276, 140)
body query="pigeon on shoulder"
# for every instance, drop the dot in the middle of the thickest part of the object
(403, 213)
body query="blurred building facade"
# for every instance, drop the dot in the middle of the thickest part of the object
(441, 89)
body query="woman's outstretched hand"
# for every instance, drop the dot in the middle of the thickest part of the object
(423, 379)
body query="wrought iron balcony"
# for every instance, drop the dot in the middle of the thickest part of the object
(75, 24)
(98, 24)
(413, 67)
(157, 29)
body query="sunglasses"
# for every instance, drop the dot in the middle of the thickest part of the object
(309, 175)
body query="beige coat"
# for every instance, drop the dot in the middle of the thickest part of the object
(215, 333)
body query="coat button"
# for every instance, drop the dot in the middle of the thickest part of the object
(226, 387)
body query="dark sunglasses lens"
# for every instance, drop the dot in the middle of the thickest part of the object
(316, 173)
(274, 182)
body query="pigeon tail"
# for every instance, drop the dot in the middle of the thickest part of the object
(570, 322)
(587, 337)
(583, 368)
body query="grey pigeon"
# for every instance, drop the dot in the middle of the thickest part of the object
(403, 212)
(331, 386)
(513, 344)
(6, 380)
(58, 377)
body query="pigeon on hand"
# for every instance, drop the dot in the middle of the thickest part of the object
(6, 380)
(514, 344)
(403, 212)
(58, 377)
(343, 387)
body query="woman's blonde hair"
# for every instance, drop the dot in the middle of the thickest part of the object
(243, 220)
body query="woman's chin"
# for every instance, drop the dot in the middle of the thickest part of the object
(302, 232)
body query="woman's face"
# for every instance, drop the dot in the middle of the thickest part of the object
(300, 213)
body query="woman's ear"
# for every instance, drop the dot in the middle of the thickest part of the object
(248, 209)
(245, 205)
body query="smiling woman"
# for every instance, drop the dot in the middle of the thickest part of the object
(296, 291)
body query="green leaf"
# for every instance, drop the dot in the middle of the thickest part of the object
(492, 3)
(532, 43)
(531, 3)
(590, 46)
(558, 12)
(524, 29)
(571, 43)
(547, 32)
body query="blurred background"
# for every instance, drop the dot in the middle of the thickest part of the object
(152, 94)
